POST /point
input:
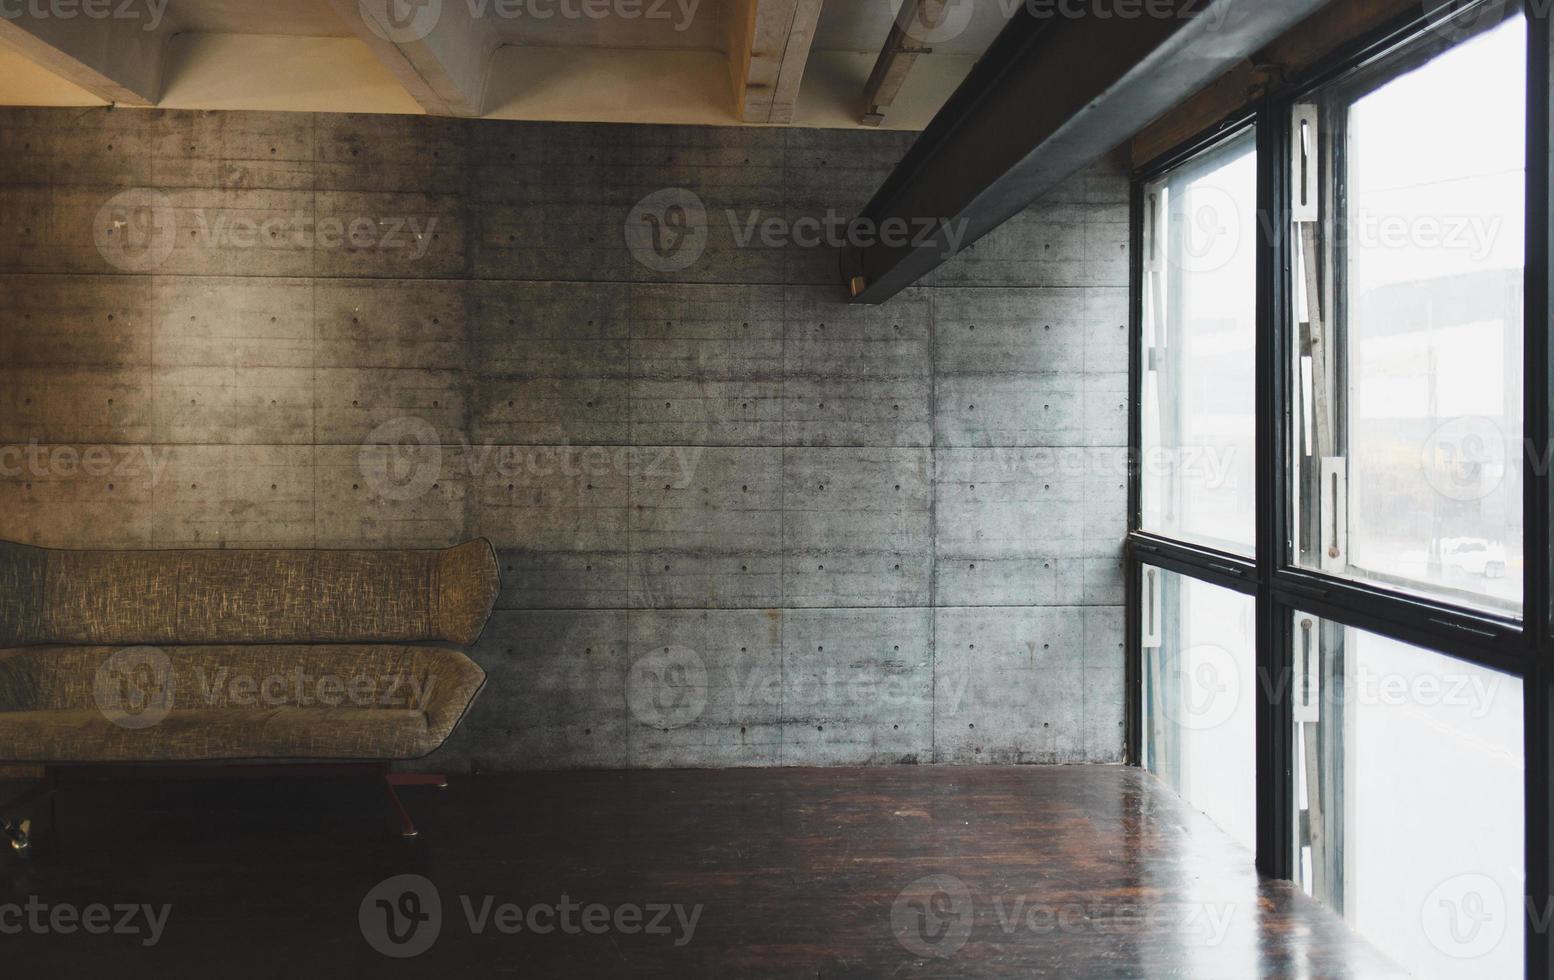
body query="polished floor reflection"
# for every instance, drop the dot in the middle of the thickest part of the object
(1090, 872)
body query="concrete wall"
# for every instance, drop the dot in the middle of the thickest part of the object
(740, 523)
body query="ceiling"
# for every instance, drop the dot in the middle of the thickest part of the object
(862, 25)
(858, 26)
(293, 18)
(698, 61)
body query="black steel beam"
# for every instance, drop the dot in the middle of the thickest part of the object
(1059, 88)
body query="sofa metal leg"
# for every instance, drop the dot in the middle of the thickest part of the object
(19, 836)
(393, 780)
(18, 833)
(417, 779)
(406, 825)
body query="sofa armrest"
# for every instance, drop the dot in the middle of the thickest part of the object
(467, 585)
(451, 682)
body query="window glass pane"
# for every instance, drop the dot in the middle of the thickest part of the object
(1200, 307)
(1409, 769)
(1199, 700)
(1409, 455)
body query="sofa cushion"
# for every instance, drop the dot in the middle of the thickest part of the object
(253, 734)
(223, 703)
(110, 597)
(22, 572)
(374, 595)
(224, 596)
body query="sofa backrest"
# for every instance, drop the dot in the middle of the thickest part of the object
(21, 594)
(133, 598)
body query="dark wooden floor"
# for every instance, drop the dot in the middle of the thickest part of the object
(909, 872)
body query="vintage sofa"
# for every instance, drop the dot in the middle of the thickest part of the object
(161, 657)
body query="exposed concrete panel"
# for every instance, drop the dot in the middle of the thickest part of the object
(552, 362)
(706, 528)
(351, 506)
(570, 669)
(1030, 503)
(705, 688)
(1105, 693)
(1009, 685)
(413, 155)
(857, 376)
(1030, 685)
(857, 527)
(558, 517)
(550, 200)
(791, 494)
(707, 365)
(857, 686)
(1021, 367)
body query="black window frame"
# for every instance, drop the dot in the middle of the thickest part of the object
(1519, 646)
(1232, 563)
